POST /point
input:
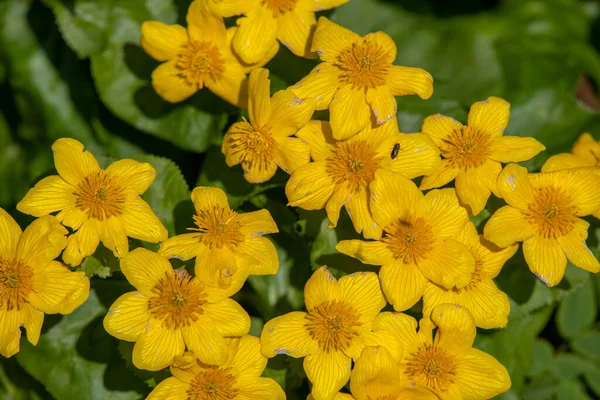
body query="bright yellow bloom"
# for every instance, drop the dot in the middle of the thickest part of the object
(198, 56)
(266, 21)
(473, 153)
(357, 79)
(237, 379)
(100, 205)
(171, 311)
(335, 330)
(488, 304)
(419, 242)
(228, 246)
(265, 143)
(31, 283)
(544, 213)
(342, 170)
(448, 365)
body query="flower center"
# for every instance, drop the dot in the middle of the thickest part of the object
(218, 227)
(254, 146)
(279, 7)
(467, 148)
(177, 300)
(364, 65)
(213, 383)
(16, 283)
(409, 239)
(552, 212)
(353, 162)
(432, 367)
(199, 63)
(333, 325)
(99, 196)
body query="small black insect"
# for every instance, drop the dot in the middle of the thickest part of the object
(395, 151)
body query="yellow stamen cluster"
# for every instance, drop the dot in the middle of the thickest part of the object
(16, 283)
(333, 325)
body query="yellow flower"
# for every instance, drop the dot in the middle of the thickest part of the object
(264, 143)
(266, 21)
(488, 304)
(237, 379)
(342, 170)
(228, 246)
(335, 330)
(171, 311)
(196, 57)
(100, 205)
(357, 78)
(31, 283)
(544, 213)
(419, 242)
(472, 154)
(448, 365)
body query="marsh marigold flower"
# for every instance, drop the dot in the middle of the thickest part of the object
(266, 21)
(171, 311)
(265, 143)
(101, 205)
(31, 283)
(335, 329)
(446, 365)
(488, 304)
(228, 246)
(472, 154)
(419, 242)
(544, 213)
(197, 57)
(357, 79)
(239, 378)
(342, 170)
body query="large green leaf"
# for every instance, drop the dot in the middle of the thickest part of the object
(577, 311)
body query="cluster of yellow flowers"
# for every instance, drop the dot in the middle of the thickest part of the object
(426, 245)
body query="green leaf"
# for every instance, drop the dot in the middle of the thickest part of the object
(569, 366)
(588, 345)
(16, 384)
(571, 390)
(542, 357)
(541, 388)
(577, 311)
(592, 377)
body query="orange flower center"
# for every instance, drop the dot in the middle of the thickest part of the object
(176, 300)
(354, 163)
(200, 63)
(364, 65)
(552, 212)
(409, 239)
(279, 7)
(16, 283)
(431, 366)
(213, 383)
(255, 146)
(467, 148)
(218, 227)
(99, 196)
(333, 325)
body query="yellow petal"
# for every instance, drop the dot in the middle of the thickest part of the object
(205, 341)
(287, 334)
(257, 223)
(443, 175)
(59, 290)
(320, 5)
(405, 81)
(441, 209)
(383, 103)
(10, 334)
(49, 195)
(141, 223)
(321, 287)
(231, 86)
(259, 98)
(507, 226)
(359, 210)
(349, 112)
(72, 162)
(205, 26)
(217, 268)
(144, 268)
(545, 258)
(475, 185)
(565, 161)
(385, 43)
(405, 328)
(392, 197)
(582, 186)
(258, 173)
(481, 376)
(32, 322)
(574, 246)
(374, 373)
(230, 8)
(361, 290)
(259, 388)
(258, 256)
(169, 85)
(515, 149)
(247, 360)
(403, 284)
(161, 41)
(82, 243)
(294, 31)
(309, 187)
(320, 84)
(114, 236)
(292, 153)
(341, 194)
(10, 232)
(587, 148)
(417, 155)
(490, 116)
(128, 316)
(374, 252)
(72, 217)
(457, 329)
(438, 127)
(169, 389)
(157, 346)
(434, 295)
(330, 39)
(290, 113)
(256, 34)
(488, 304)
(42, 241)
(318, 136)
(328, 372)
(133, 176)
(514, 186)
(493, 257)
(205, 198)
(228, 317)
(448, 264)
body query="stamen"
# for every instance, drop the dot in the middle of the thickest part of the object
(354, 163)
(333, 325)
(218, 227)
(200, 63)
(467, 148)
(279, 7)
(365, 64)
(16, 283)
(255, 146)
(409, 239)
(432, 367)
(99, 196)
(552, 212)
(213, 383)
